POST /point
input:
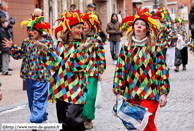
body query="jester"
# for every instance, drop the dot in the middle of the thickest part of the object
(68, 61)
(95, 67)
(32, 68)
(140, 74)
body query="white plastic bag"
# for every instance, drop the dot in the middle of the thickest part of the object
(98, 103)
(180, 43)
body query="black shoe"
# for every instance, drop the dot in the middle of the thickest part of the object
(9, 69)
(176, 70)
(7, 74)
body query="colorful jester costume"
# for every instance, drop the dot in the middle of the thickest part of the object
(140, 74)
(33, 70)
(96, 64)
(181, 56)
(164, 35)
(68, 84)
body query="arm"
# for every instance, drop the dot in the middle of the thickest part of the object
(119, 77)
(109, 31)
(161, 77)
(101, 56)
(16, 52)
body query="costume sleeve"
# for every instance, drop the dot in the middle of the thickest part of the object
(161, 77)
(51, 57)
(101, 56)
(120, 73)
(18, 52)
(185, 36)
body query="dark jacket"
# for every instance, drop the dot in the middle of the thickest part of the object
(113, 30)
(4, 33)
(191, 18)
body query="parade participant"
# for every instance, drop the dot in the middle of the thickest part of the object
(32, 69)
(96, 65)
(140, 74)
(181, 56)
(68, 60)
(112, 29)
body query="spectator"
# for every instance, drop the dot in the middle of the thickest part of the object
(119, 16)
(72, 8)
(191, 20)
(114, 36)
(4, 33)
(37, 12)
(11, 21)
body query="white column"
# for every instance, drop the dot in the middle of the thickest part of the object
(65, 5)
(81, 5)
(56, 12)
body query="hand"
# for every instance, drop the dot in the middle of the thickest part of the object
(191, 52)
(118, 96)
(0, 95)
(163, 100)
(179, 40)
(39, 45)
(99, 77)
(84, 47)
(7, 43)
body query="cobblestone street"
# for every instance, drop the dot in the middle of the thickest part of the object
(176, 116)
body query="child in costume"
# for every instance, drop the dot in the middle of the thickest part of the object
(95, 67)
(68, 60)
(140, 74)
(181, 56)
(32, 69)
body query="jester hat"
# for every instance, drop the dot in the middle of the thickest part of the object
(143, 15)
(162, 13)
(178, 19)
(91, 20)
(26, 22)
(67, 21)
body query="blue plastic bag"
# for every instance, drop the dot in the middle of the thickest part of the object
(133, 116)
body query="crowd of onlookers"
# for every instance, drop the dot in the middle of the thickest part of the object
(6, 25)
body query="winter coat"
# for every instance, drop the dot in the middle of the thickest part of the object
(112, 28)
(191, 18)
(4, 33)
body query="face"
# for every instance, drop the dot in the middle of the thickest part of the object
(77, 31)
(140, 29)
(178, 24)
(5, 24)
(90, 9)
(5, 7)
(85, 28)
(114, 17)
(72, 9)
(34, 33)
(39, 14)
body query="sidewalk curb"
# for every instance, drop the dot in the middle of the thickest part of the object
(9, 107)
(25, 102)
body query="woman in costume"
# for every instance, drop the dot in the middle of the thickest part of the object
(68, 60)
(140, 74)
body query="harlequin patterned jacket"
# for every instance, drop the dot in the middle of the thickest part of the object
(191, 46)
(96, 57)
(141, 73)
(182, 31)
(164, 36)
(69, 80)
(32, 65)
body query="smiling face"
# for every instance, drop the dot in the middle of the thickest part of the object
(178, 24)
(140, 29)
(76, 31)
(34, 33)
